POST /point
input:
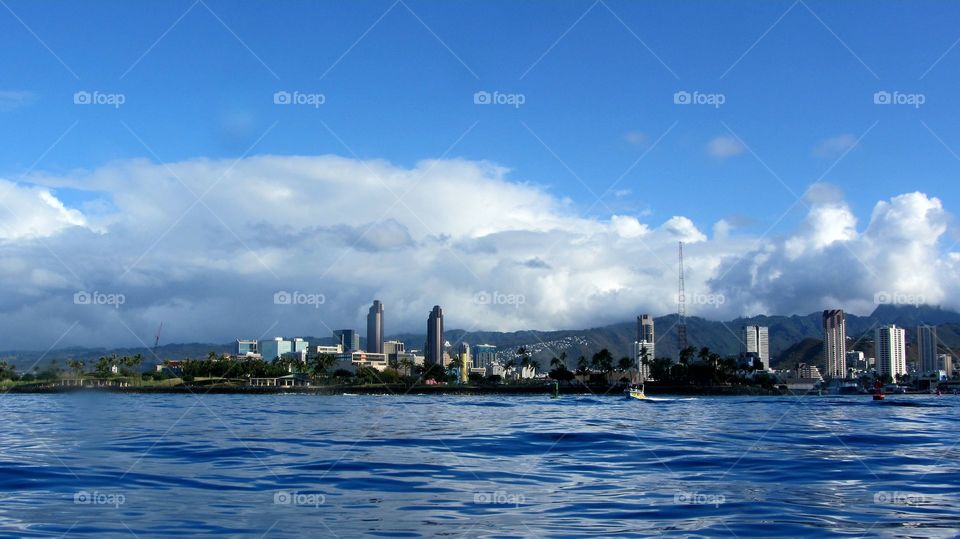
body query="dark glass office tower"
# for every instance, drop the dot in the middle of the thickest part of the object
(433, 352)
(375, 328)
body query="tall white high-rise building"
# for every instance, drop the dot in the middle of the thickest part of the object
(755, 341)
(927, 345)
(644, 345)
(835, 343)
(891, 351)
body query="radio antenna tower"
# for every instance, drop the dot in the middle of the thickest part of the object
(681, 310)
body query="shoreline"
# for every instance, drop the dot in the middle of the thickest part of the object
(401, 390)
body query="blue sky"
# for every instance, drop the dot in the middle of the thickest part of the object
(203, 88)
(188, 197)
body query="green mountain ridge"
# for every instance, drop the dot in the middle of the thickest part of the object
(792, 338)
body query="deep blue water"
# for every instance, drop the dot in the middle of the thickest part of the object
(390, 466)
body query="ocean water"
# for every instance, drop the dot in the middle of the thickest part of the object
(495, 466)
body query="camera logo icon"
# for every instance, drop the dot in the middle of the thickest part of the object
(82, 98)
(482, 98)
(282, 497)
(282, 298)
(681, 98)
(282, 98)
(82, 298)
(882, 97)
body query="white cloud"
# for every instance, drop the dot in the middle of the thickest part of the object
(33, 212)
(637, 138)
(629, 227)
(13, 100)
(721, 229)
(334, 226)
(829, 263)
(833, 147)
(724, 146)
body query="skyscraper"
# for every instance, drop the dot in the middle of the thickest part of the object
(927, 344)
(484, 355)
(465, 354)
(465, 362)
(755, 342)
(433, 351)
(348, 339)
(645, 344)
(645, 328)
(275, 348)
(375, 328)
(891, 351)
(835, 343)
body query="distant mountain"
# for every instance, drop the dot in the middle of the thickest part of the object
(792, 338)
(808, 350)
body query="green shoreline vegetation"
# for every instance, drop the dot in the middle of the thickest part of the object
(697, 372)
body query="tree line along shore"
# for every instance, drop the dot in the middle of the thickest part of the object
(599, 375)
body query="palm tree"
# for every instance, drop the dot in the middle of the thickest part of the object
(524, 362)
(583, 367)
(555, 362)
(135, 362)
(455, 366)
(509, 366)
(602, 361)
(645, 362)
(77, 368)
(686, 354)
(103, 366)
(321, 363)
(407, 365)
(524, 356)
(625, 364)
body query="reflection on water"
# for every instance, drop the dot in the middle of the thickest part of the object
(392, 466)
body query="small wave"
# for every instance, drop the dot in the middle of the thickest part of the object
(489, 404)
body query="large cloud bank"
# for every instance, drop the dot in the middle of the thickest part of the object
(204, 246)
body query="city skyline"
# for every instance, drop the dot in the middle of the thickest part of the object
(839, 359)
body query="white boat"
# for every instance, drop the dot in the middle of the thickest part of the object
(635, 392)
